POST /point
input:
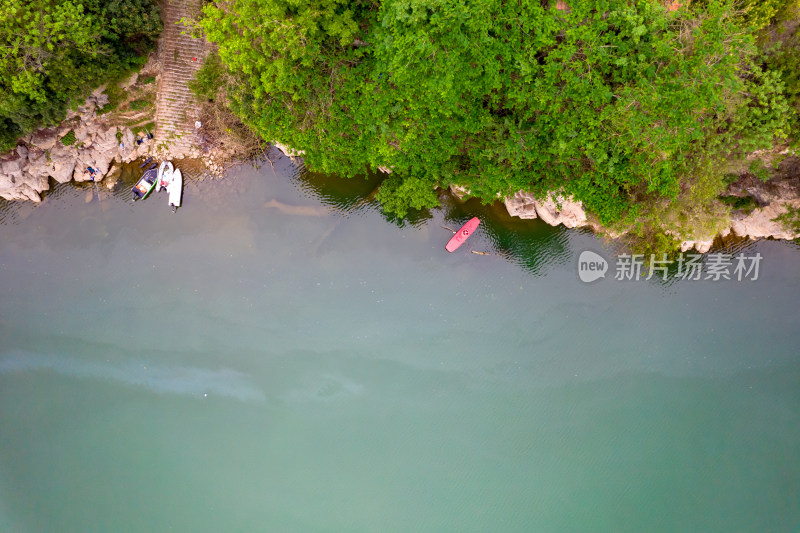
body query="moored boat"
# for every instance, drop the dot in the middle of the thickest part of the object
(175, 190)
(146, 184)
(165, 171)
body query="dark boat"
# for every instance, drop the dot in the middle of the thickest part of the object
(145, 185)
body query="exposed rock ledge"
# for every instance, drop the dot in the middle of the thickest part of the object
(25, 173)
(775, 198)
(761, 222)
(289, 152)
(554, 210)
(26, 170)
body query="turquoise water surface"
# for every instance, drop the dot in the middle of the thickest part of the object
(280, 356)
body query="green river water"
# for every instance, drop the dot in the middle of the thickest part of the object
(242, 367)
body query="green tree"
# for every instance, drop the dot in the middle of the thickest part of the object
(624, 105)
(53, 52)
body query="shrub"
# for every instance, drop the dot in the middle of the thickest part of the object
(209, 79)
(138, 105)
(743, 203)
(115, 97)
(790, 219)
(68, 139)
(50, 59)
(782, 57)
(149, 127)
(625, 106)
(758, 169)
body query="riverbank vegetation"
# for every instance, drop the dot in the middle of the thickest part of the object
(54, 52)
(221, 127)
(629, 107)
(638, 109)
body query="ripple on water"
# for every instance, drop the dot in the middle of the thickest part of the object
(531, 244)
(346, 196)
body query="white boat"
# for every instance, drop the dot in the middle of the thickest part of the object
(165, 171)
(175, 190)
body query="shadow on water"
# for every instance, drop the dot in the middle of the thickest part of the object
(98, 212)
(60, 196)
(353, 195)
(531, 244)
(192, 170)
(415, 218)
(347, 196)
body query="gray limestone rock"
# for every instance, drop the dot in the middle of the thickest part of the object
(82, 132)
(44, 139)
(27, 192)
(12, 168)
(128, 144)
(570, 213)
(459, 191)
(521, 205)
(102, 100)
(12, 189)
(761, 222)
(700, 245)
(106, 141)
(62, 164)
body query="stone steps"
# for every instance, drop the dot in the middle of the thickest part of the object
(176, 107)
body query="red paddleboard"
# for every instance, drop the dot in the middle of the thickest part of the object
(462, 234)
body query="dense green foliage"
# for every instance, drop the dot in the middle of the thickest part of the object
(138, 105)
(760, 13)
(628, 107)
(68, 139)
(781, 54)
(209, 78)
(53, 52)
(219, 124)
(742, 203)
(790, 219)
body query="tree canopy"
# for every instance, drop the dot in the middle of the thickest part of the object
(621, 104)
(53, 52)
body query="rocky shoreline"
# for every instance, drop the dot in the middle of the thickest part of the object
(25, 172)
(92, 137)
(773, 198)
(99, 143)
